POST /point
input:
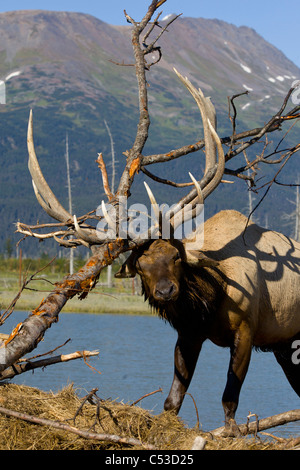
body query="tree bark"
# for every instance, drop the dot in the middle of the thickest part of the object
(265, 423)
(25, 337)
(22, 367)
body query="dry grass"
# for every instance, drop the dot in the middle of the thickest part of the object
(118, 299)
(165, 432)
(94, 303)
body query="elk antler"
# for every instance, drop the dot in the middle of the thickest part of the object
(162, 219)
(43, 193)
(51, 205)
(214, 168)
(87, 235)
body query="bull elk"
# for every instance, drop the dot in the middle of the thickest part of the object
(238, 294)
(239, 290)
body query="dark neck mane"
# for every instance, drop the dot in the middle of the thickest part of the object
(197, 302)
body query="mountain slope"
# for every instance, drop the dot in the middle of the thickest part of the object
(66, 74)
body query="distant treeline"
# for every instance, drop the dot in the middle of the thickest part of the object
(45, 263)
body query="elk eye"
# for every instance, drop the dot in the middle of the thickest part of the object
(177, 256)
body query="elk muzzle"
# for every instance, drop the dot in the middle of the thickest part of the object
(165, 290)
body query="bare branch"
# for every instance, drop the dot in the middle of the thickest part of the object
(273, 123)
(80, 432)
(25, 366)
(265, 423)
(151, 47)
(145, 396)
(25, 337)
(105, 182)
(25, 283)
(164, 181)
(233, 118)
(270, 183)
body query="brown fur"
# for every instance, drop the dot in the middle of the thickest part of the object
(241, 289)
(197, 304)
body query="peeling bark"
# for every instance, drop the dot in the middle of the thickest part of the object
(26, 336)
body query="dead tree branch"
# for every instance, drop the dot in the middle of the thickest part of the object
(23, 366)
(105, 182)
(273, 180)
(25, 283)
(145, 396)
(263, 424)
(25, 337)
(80, 432)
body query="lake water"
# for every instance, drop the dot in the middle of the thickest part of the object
(136, 358)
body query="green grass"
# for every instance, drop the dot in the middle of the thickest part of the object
(118, 299)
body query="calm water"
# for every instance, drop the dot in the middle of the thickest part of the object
(136, 357)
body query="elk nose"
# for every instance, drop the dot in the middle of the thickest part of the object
(165, 290)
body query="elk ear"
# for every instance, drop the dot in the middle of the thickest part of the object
(128, 268)
(197, 258)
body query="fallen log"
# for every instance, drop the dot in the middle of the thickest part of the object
(262, 424)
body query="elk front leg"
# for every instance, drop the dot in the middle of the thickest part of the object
(238, 366)
(185, 357)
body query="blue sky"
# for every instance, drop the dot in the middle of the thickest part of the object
(276, 20)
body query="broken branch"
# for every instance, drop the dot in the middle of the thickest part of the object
(80, 432)
(265, 423)
(144, 396)
(105, 182)
(22, 367)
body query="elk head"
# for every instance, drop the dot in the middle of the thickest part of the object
(161, 265)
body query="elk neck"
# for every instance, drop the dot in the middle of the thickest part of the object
(201, 291)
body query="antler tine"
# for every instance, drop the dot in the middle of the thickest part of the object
(221, 164)
(207, 111)
(154, 204)
(198, 188)
(212, 182)
(218, 173)
(43, 193)
(214, 168)
(86, 234)
(193, 207)
(47, 199)
(111, 224)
